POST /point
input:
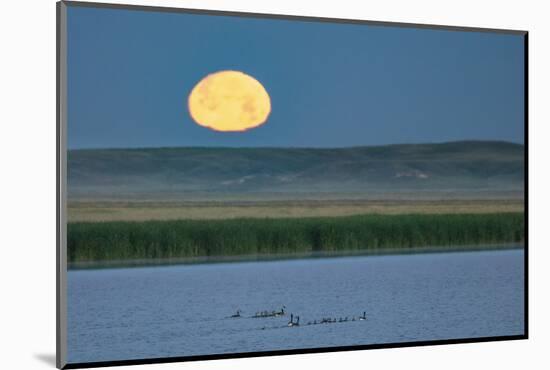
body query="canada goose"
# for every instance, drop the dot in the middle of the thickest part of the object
(364, 317)
(292, 323)
(260, 314)
(280, 313)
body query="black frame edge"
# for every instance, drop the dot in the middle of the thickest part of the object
(526, 179)
(60, 276)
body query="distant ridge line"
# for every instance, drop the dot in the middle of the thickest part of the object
(465, 142)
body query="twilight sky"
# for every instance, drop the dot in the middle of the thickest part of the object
(331, 85)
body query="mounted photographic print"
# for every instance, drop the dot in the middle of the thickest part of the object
(234, 184)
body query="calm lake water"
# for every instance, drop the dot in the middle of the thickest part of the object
(133, 313)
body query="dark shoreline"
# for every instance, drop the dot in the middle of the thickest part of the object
(92, 265)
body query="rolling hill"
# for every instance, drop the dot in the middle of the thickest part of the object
(466, 166)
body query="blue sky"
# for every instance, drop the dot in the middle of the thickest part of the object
(331, 85)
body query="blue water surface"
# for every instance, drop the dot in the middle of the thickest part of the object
(136, 313)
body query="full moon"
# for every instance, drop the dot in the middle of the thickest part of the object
(229, 101)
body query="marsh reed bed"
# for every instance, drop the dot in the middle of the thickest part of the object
(177, 239)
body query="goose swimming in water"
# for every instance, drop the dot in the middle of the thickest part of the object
(264, 314)
(364, 317)
(292, 323)
(280, 313)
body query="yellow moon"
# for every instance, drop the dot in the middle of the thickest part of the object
(229, 101)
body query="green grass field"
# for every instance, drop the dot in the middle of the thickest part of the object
(180, 239)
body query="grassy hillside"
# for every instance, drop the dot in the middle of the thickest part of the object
(455, 166)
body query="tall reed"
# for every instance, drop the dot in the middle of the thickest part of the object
(105, 241)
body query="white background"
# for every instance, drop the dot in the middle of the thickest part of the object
(27, 204)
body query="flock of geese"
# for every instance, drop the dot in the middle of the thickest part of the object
(295, 320)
